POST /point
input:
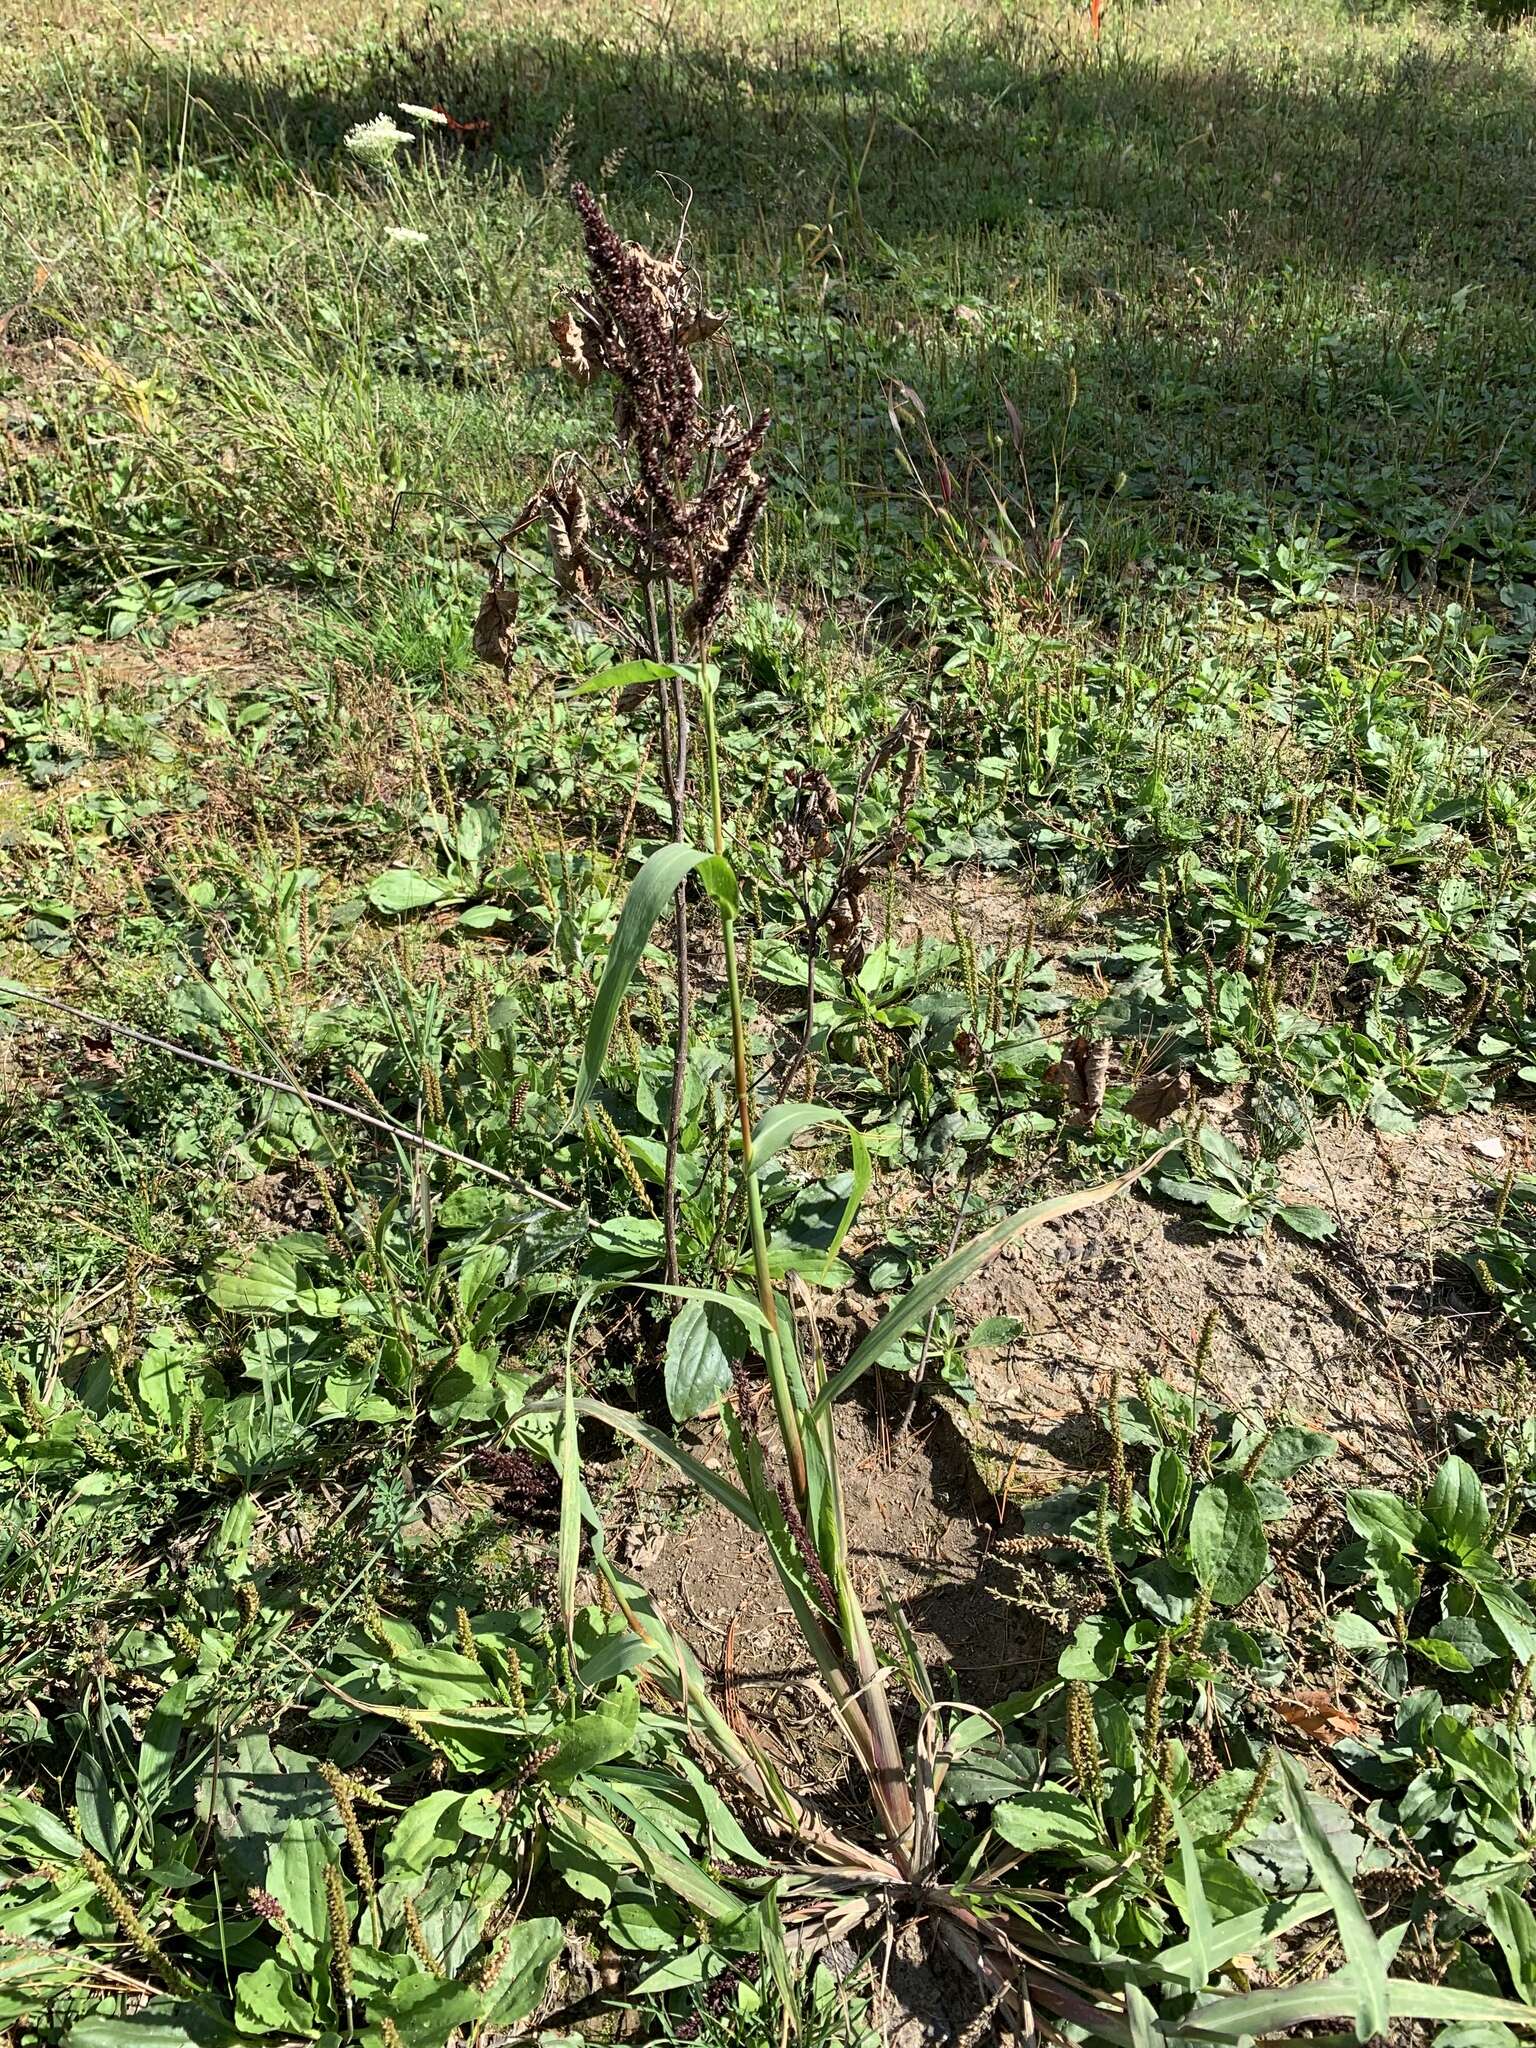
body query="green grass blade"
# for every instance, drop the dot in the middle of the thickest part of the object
(649, 894)
(1197, 1908)
(1252, 2013)
(641, 1432)
(1240, 1937)
(1355, 1931)
(783, 1124)
(623, 676)
(570, 1506)
(914, 1306)
(741, 1306)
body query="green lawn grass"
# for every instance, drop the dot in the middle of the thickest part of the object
(1154, 416)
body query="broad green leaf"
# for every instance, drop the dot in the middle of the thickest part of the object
(1353, 1631)
(702, 1345)
(30, 1833)
(623, 676)
(616, 1850)
(270, 2002)
(163, 2023)
(595, 1738)
(1307, 1220)
(168, 1374)
(1094, 1650)
(424, 1832)
(1355, 1931)
(264, 1282)
(426, 2012)
(527, 1949)
(1047, 1819)
(1374, 1514)
(477, 830)
(1140, 2018)
(783, 1124)
(1168, 1487)
(1435, 1650)
(1472, 1756)
(746, 1311)
(1509, 1612)
(296, 1875)
(102, 1815)
(993, 1332)
(1457, 1507)
(1227, 1546)
(717, 878)
(944, 1278)
(402, 890)
(651, 891)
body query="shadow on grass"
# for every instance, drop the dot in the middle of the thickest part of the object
(1417, 167)
(1234, 300)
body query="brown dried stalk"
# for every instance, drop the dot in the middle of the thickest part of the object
(809, 838)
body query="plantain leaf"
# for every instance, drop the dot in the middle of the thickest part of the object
(162, 1739)
(402, 890)
(746, 1311)
(1458, 1508)
(1227, 1546)
(702, 1346)
(943, 1279)
(651, 891)
(1514, 1928)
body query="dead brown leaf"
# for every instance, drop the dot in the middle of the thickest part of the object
(1157, 1097)
(1082, 1074)
(1317, 1714)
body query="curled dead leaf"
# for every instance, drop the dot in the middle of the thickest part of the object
(1319, 1715)
(1157, 1097)
(1082, 1074)
(576, 572)
(495, 635)
(701, 327)
(570, 346)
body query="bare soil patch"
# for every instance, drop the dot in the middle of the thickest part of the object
(1372, 1335)
(918, 1537)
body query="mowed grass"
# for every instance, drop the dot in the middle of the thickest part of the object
(1153, 414)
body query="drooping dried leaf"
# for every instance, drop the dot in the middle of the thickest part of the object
(917, 751)
(576, 572)
(495, 624)
(1157, 1097)
(1082, 1074)
(700, 327)
(845, 926)
(570, 345)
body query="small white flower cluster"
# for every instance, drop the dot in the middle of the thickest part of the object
(374, 142)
